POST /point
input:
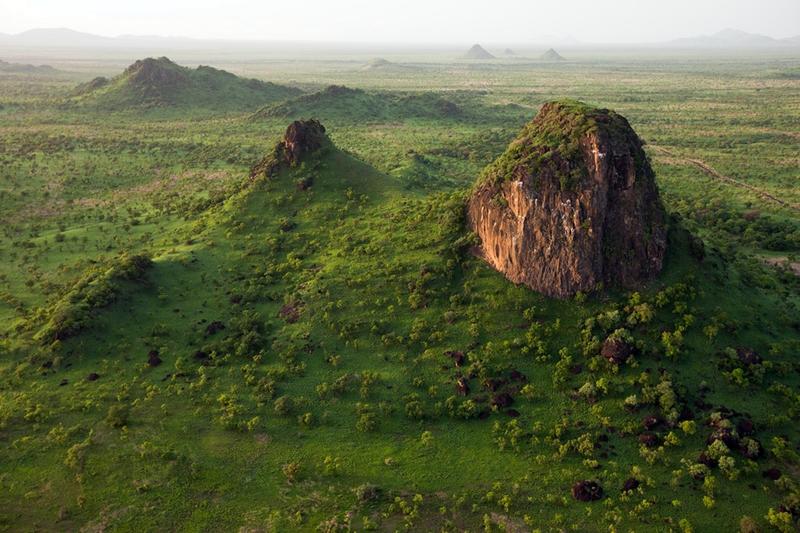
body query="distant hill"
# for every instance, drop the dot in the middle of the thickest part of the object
(551, 55)
(380, 63)
(345, 104)
(56, 37)
(161, 83)
(729, 38)
(509, 52)
(478, 52)
(25, 68)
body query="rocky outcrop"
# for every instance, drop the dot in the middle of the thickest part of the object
(302, 137)
(572, 204)
(158, 73)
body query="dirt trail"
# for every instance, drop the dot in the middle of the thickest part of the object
(708, 170)
(784, 262)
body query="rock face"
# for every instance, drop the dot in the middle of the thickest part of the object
(301, 138)
(571, 204)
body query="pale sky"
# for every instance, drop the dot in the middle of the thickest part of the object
(409, 21)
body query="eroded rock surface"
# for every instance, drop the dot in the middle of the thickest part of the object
(302, 137)
(571, 204)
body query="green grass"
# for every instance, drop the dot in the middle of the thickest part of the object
(374, 261)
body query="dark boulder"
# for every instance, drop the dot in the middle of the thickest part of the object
(587, 491)
(214, 327)
(502, 400)
(649, 439)
(748, 356)
(616, 351)
(630, 484)
(153, 359)
(462, 386)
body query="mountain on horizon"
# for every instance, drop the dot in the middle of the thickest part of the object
(478, 52)
(732, 38)
(67, 37)
(551, 55)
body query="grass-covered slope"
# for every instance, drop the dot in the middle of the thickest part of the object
(343, 104)
(158, 83)
(321, 350)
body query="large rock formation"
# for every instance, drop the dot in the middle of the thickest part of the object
(301, 138)
(571, 204)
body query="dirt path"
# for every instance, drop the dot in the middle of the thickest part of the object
(708, 170)
(784, 262)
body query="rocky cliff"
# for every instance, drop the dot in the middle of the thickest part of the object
(301, 138)
(571, 204)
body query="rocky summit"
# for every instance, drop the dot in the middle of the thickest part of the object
(301, 138)
(571, 204)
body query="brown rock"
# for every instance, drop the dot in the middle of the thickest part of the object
(301, 138)
(587, 491)
(630, 484)
(502, 400)
(571, 204)
(616, 351)
(153, 359)
(748, 356)
(649, 439)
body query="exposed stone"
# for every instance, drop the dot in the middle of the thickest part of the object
(630, 484)
(502, 400)
(153, 359)
(302, 137)
(571, 204)
(214, 327)
(616, 351)
(748, 356)
(587, 491)
(462, 386)
(650, 440)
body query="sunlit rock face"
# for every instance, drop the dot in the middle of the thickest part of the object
(571, 205)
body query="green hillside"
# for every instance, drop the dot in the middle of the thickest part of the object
(160, 83)
(322, 348)
(339, 103)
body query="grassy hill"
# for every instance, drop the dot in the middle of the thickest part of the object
(160, 83)
(341, 103)
(323, 339)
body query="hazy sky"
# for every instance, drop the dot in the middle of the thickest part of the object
(420, 21)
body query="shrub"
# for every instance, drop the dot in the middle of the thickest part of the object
(291, 471)
(118, 415)
(284, 406)
(368, 492)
